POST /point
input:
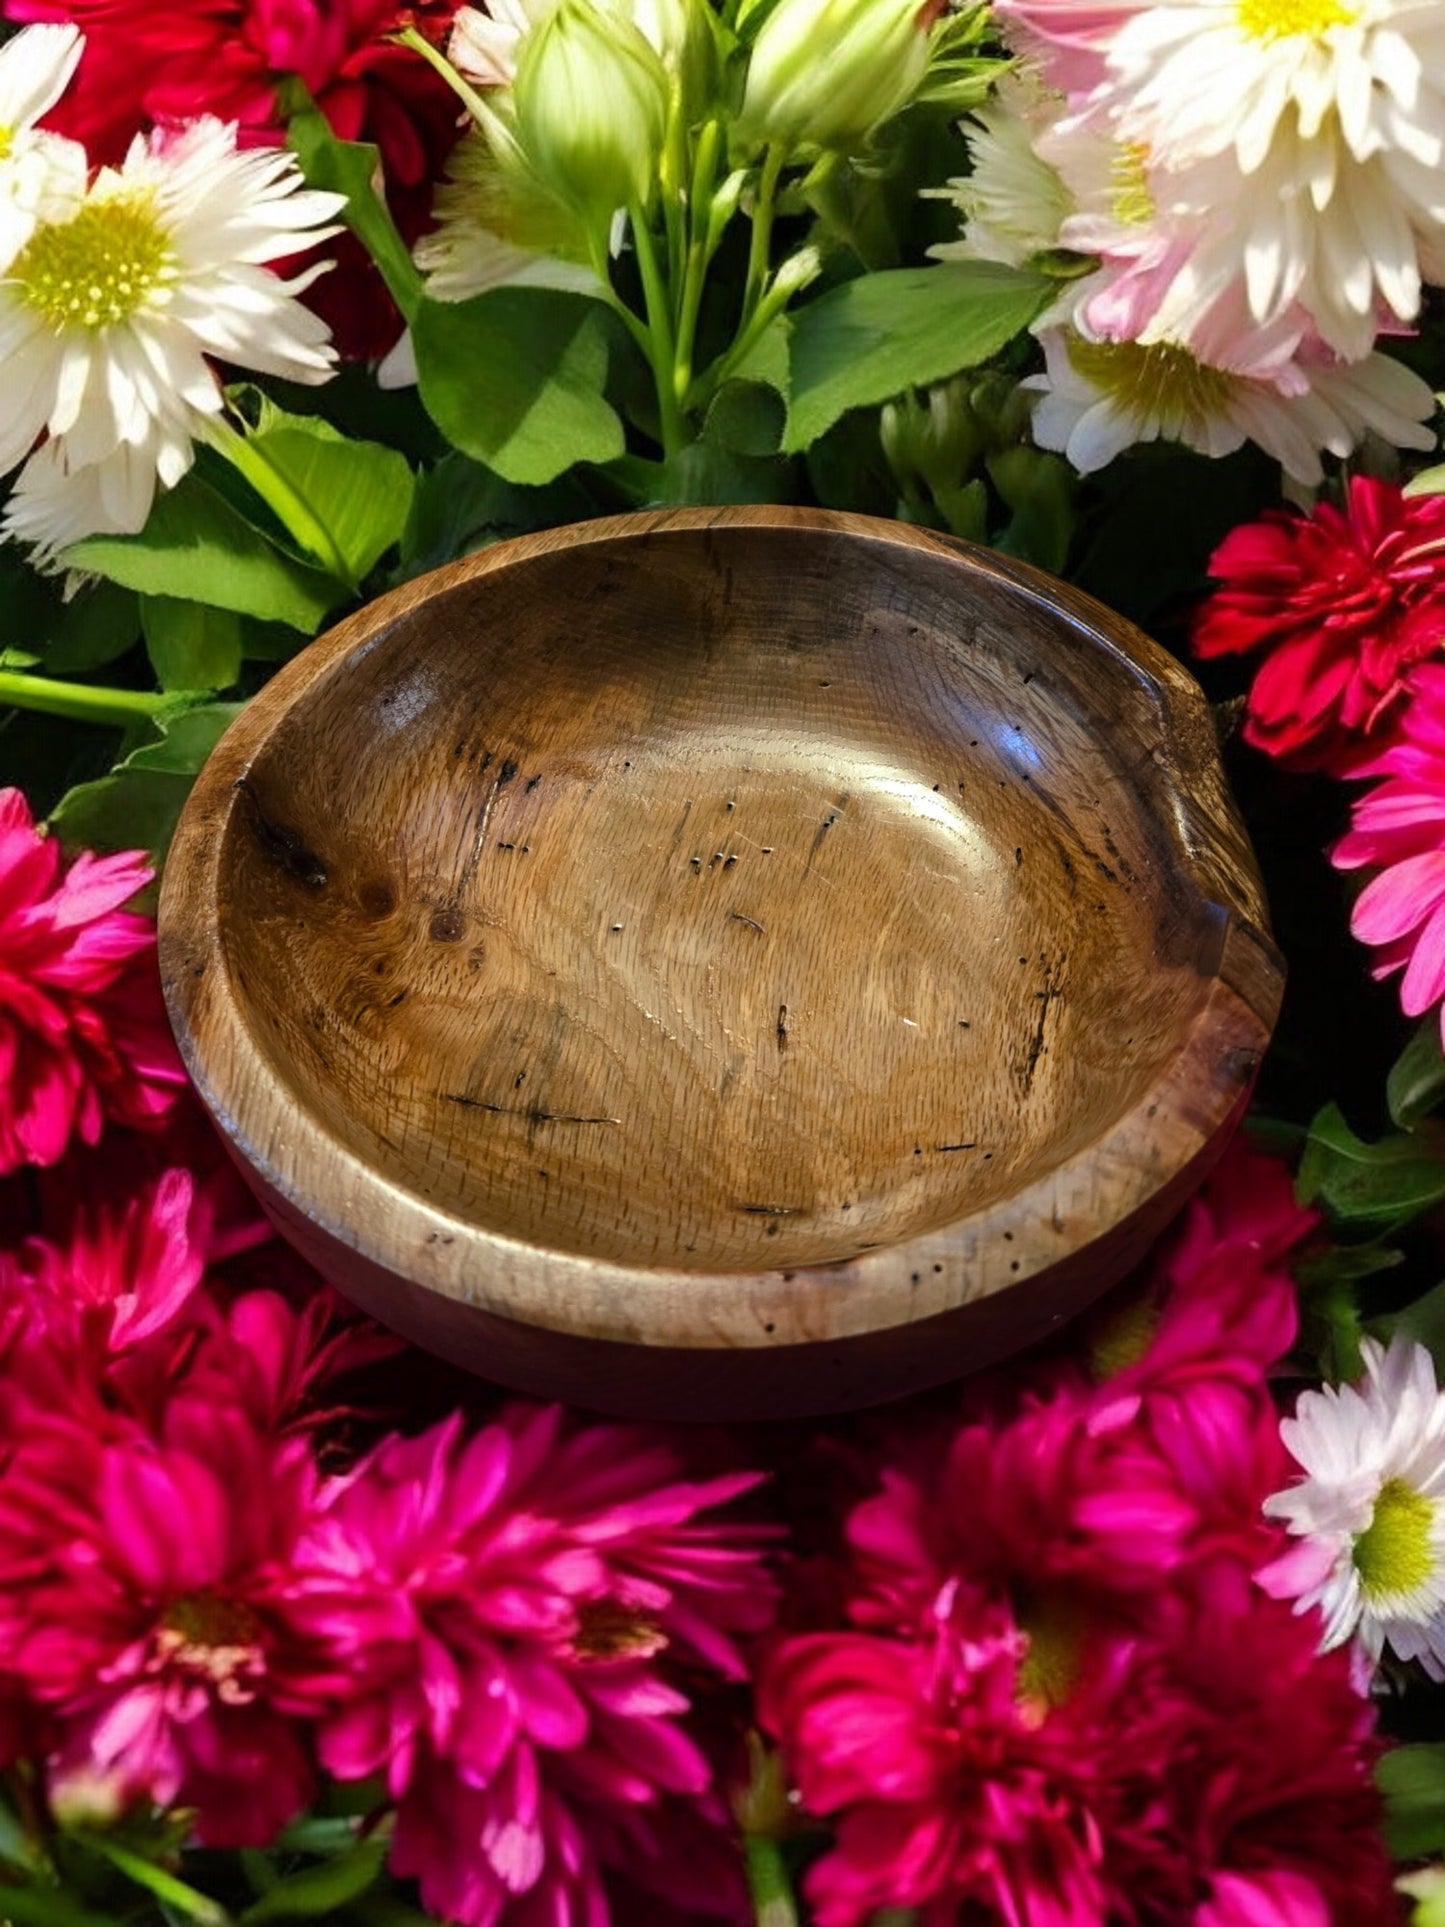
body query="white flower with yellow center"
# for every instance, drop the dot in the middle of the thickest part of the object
(1101, 397)
(1372, 1505)
(41, 175)
(108, 317)
(1320, 125)
(1013, 202)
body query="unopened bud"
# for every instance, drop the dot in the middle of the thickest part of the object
(591, 98)
(825, 73)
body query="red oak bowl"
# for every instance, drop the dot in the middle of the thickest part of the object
(721, 963)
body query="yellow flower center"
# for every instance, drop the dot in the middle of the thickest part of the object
(1160, 380)
(215, 1640)
(1279, 19)
(7, 141)
(1121, 1337)
(1133, 203)
(98, 268)
(1056, 1631)
(1393, 1554)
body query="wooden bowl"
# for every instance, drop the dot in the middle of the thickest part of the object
(717, 963)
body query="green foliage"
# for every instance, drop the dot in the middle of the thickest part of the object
(1370, 1190)
(195, 546)
(515, 377)
(869, 339)
(137, 805)
(1416, 1083)
(460, 506)
(323, 1888)
(357, 494)
(1412, 1781)
(190, 645)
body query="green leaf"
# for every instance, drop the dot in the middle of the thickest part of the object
(1374, 1189)
(35, 1906)
(137, 805)
(358, 492)
(514, 378)
(191, 646)
(1416, 1084)
(1412, 1781)
(1427, 1888)
(321, 1889)
(174, 1893)
(351, 168)
(196, 547)
(100, 624)
(869, 339)
(459, 506)
(746, 418)
(1430, 481)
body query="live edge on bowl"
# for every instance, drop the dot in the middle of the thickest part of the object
(721, 963)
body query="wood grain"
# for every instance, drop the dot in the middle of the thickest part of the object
(721, 960)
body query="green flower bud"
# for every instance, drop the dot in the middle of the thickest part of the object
(591, 98)
(825, 73)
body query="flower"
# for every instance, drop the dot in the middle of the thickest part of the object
(1318, 124)
(591, 98)
(40, 173)
(826, 73)
(163, 66)
(1347, 601)
(1370, 1510)
(1012, 202)
(512, 1612)
(1399, 828)
(147, 1587)
(107, 317)
(1101, 397)
(83, 1037)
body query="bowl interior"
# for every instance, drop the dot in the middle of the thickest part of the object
(719, 899)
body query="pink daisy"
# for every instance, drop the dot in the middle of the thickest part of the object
(83, 1037)
(1398, 827)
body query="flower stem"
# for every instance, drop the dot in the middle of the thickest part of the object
(701, 245)
(659, 328)
(80, 702)
(769, 1887)
(761, 244)
(286, 502)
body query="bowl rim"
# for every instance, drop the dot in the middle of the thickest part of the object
(997, 1247)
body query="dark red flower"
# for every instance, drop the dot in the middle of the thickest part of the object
(1347, 601)
(148, 64)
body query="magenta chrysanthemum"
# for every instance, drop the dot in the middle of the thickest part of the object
(515, 1613)
(82, 1034)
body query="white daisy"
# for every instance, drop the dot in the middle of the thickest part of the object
(1372, 1506)
(1101, 397)
(107, 317)
(484, 46)
(41, 175)
(1320, 125)
(1013, 203)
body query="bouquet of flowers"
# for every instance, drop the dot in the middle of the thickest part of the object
(1146, 1629)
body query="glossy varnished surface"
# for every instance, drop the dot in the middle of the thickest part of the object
(748, 930)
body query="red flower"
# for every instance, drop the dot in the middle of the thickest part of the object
(1346, 601)
(158, 64)
(83, 1037)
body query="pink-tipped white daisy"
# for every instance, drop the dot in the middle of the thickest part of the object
(42, 176)
(1370, 1509)
(110, 315)
(1265, 386)
(1320, 124)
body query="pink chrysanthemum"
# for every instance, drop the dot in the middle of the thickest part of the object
(514, 1612)
(82, 1034)
(1346, 601)
(1399, 828)
(148, 1588)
